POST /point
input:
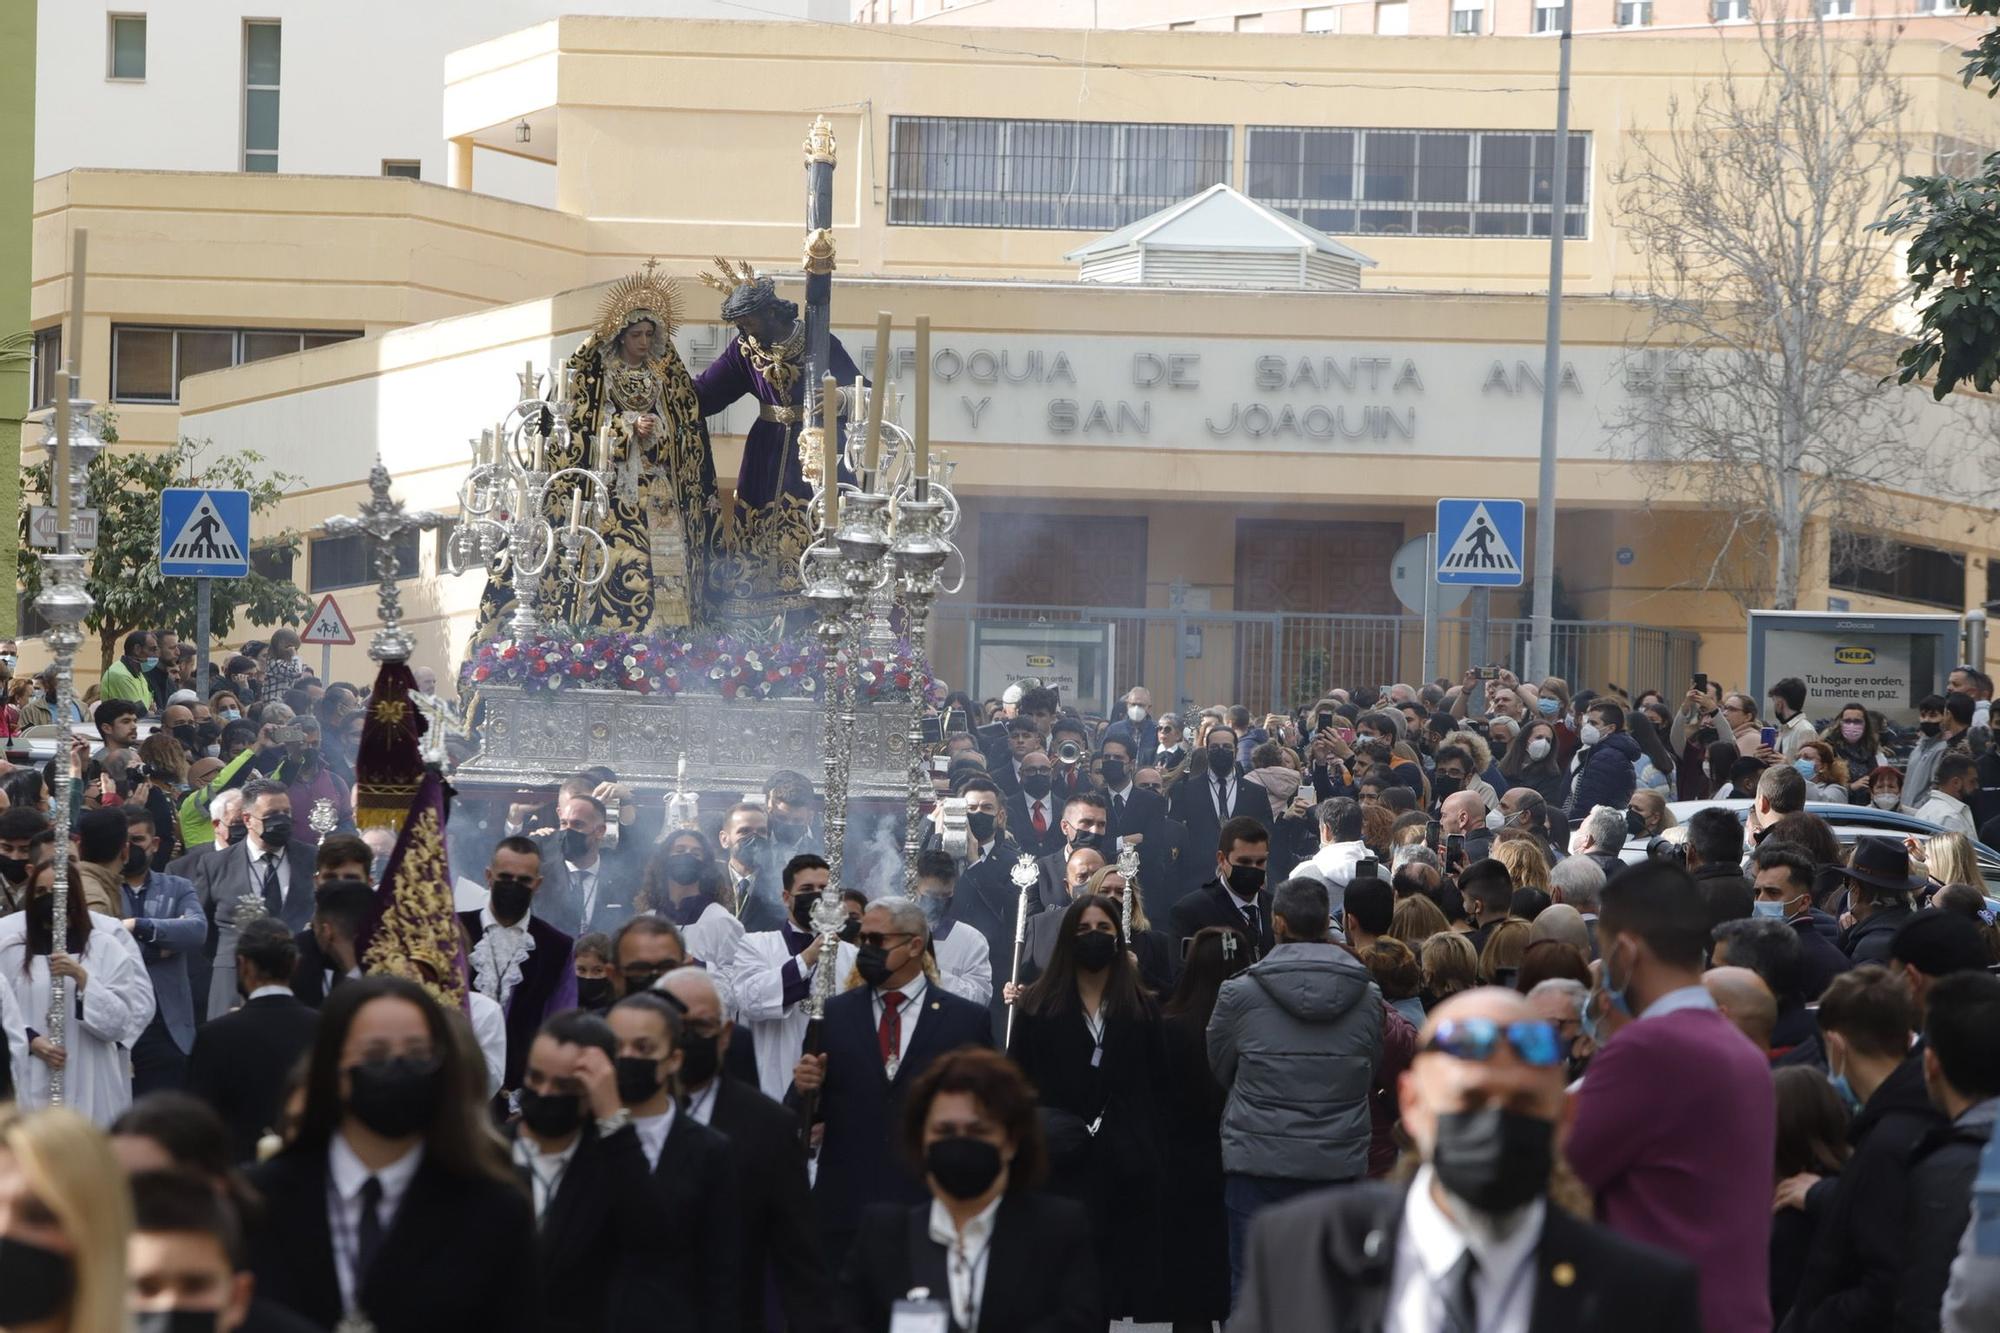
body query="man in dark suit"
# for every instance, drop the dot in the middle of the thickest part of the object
(270, 866)
(241, 1059)
(686, 1278)
(1471, 1242)
(986, 897)
(1237, 896)
(875, 1041)
(1207, 799)
(580, 1157)
(327, 945)
(1136, 730)
(784, 1279)
(1034, 811)
(1085, 825)
(1022, 739)
(583, 889)
(163, 914)
(518, 960)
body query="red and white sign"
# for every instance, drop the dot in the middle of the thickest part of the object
(328, 625)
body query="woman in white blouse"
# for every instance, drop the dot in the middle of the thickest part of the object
(110, 1000)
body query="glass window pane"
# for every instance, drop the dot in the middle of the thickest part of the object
(204, 350)
(1503, 168)
(257, 346)
(1442, 175)
(128, 48)
(1329, 165)
(1391, 166)
(313, 340)
(260, 120)
(142, 365)
(260, 161)
(1272, 168)
(261, 42)
(408, 169)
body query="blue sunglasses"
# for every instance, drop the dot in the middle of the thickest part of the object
(1536, 1042)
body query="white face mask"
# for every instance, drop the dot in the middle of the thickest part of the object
(1590, 734)
(1538, 748)
(1494, 819)
(1888, 800)
(1135, 713)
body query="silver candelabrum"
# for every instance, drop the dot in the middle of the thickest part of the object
(65, 602)
(889, 549)
(504, 526)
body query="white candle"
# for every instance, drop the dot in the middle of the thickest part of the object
(603, 447)
(575, 507)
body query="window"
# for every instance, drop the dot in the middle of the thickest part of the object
(1416, 182)
(260, 96)
(957, 171)
(1729, 11)
(1249, 23)
(1465, 22)
(349, 561)
(1836, 9)
(1635, 13)
(1392, 19)
(272, 562)
(148, 364)
(408, 168)
(1548, 15)
(47, 367)
(127, 47)
(1897, 569)
(444, 532)
(1324, 19)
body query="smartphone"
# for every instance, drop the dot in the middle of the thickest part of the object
(1454, 849)
(1325, 720)
(940, 764)
(1368, 868)
(1489, 673)
(933, 732)
(955, 720)
(1769, 736)
(1701, 681)
(288, 736)
(1433, 835)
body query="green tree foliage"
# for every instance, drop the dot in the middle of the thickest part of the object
(124, 576)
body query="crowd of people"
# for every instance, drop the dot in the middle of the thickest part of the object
(1417, 1008)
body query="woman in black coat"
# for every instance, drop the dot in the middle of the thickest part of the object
(451, 1245)
(1528, 763)
(1088, 1036)
(969, 1126)
(1193, 1223)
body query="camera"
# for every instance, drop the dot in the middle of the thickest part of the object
(1069, 752)
(1667, 850)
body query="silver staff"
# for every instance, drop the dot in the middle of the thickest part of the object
(1025, 874)
(828, 916)
(1128, 870)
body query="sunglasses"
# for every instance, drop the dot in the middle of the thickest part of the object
(1537, 1043)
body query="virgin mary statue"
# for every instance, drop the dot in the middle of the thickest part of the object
(627, 381)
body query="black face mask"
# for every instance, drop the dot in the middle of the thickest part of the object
(34, 1283)
(237, 833)
(1443, 785)
(1085, 838)
(137, 860)
(1496, 1160)
(639, 1079)
(175, 1321)
(1114, 773)
(593, 992)
(13, 868)
(1037, 785)
(963, 1168)
(1245, 881)
(277, 830)
(700, 1058)
(980, 825)
(1930, 728)
(1095, 950)
(851, 932)
(872, 962)
(1221, 760)
(510, 899)
(188, 737)
(682, 867)
(802, 909)
(575, 844)
(551, 1114)
(397, 1097)
(787, 831)
(751, 846)
(638, 983)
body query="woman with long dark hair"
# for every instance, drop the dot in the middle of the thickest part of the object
(1088, 1036)
(684, 884)
(395, 1203)
(1812, 1145)
(1192, 1220)
(1655, 769)
(1531, 761)
(997, 1253)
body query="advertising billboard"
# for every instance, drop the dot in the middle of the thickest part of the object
(1883, 662)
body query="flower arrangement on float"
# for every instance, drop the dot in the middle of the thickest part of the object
(719, 666)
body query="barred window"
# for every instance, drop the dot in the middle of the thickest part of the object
(958, 171)
(148, 364)
(1416, 182)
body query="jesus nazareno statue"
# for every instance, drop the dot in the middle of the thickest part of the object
(754, 577)
(627, 381)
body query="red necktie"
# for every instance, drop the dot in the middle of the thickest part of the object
(1041, 820)
(890, 1033)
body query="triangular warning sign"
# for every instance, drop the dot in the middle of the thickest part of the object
(327, 625)
(1479, 548)
(204, 536)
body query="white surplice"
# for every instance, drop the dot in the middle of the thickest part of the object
(117, 1005)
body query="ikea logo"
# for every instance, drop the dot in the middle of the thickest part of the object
(1854, 656)
(1042, 661)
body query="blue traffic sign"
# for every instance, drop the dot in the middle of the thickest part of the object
(204, 533)
(1480, 542)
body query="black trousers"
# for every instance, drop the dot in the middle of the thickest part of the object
(157, 1063)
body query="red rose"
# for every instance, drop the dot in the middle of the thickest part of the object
(481, 674)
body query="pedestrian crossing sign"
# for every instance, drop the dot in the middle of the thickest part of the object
(1480, 542)
(204, 533)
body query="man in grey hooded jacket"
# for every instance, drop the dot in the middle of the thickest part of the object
(1295, 1041)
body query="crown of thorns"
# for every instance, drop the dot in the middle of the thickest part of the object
(744, 291)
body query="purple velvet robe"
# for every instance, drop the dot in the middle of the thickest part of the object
(770, 460)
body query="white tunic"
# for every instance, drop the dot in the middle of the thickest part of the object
(117, 1005)
(714, 937)
(965, 964)
(757, 977)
